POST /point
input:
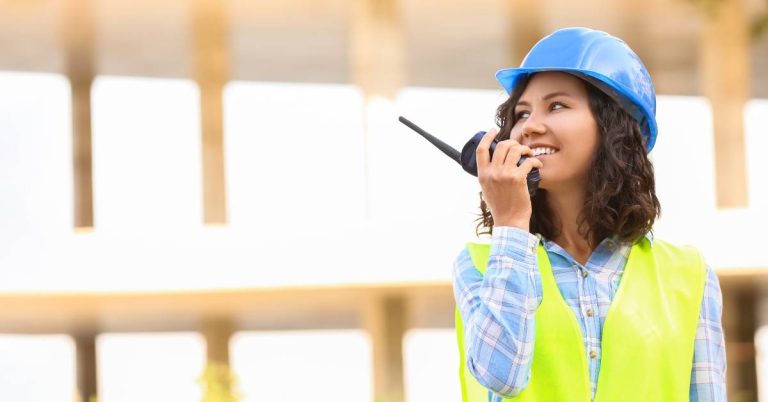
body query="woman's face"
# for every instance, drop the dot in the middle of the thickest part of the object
(554, 119)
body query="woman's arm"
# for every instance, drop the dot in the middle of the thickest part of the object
(708, 373)
(498, 310)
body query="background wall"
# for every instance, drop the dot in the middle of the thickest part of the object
(202, 193)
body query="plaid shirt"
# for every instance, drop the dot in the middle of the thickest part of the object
(499, 311)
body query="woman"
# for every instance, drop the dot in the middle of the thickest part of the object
(574, 300)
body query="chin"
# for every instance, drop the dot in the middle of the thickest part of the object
(543, 185)
(550, 184)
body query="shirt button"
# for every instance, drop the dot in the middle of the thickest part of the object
(584, 273)
(593, 354)
(590, 313)
(610, 245)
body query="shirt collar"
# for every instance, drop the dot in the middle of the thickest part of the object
(648, 235)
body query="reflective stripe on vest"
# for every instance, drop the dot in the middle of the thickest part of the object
(648, 335)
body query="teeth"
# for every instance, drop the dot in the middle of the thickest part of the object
(543, 151)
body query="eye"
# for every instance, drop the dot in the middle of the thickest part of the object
(522, 114)
(557, 105)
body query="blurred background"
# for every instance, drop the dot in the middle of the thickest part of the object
(212, 200)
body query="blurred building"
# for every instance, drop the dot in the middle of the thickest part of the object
(224, 166)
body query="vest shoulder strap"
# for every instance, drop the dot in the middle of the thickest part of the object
(479, 253)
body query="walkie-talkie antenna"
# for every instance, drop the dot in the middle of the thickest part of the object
(447, 149)
(467, 158)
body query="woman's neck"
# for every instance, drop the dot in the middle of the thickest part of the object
(567, 204)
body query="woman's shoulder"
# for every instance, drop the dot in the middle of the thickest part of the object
(672, 246)
(685, 257)
(654, 241)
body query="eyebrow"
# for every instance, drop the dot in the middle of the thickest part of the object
(546, 97)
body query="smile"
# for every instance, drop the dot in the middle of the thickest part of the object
(543, 151)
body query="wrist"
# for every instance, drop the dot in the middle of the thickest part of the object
(524, 225)
(513, 241)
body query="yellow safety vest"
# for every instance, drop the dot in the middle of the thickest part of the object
(647, 341)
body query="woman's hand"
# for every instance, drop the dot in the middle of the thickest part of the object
(504, 185)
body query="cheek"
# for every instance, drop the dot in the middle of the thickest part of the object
(591, 145)
(580, 137)
(592, 137)
(583, 128)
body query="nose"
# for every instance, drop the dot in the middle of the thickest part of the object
(532, 126)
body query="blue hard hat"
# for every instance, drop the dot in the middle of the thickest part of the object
(600, 59)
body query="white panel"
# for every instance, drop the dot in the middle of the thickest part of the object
(756, 138)
(35, 154)
(423, 204)
(683, 158)
(157, 367)
(36, 368)
(294, 155)
(410, 179)
(36, 207)
(329, 366)
(146, 154)
(734, 238)
(431, 366)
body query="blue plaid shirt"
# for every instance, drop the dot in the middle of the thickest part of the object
(499, 311)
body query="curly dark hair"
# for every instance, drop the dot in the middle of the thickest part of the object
(621, 194)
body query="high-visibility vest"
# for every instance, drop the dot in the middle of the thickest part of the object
(647, 341)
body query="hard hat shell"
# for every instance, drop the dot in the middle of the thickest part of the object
(600, 59)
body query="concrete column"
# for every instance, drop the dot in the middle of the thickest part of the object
(740, 321)
(377, 50)
(78, 33)
(377, 58)
(386, 321)
(85, 361)
(218, 380)
(725, 80)
(217, 333)
(211, 66)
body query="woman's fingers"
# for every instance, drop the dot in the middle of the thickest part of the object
(482, 154)
(509, 153)
(530, 164)
(503, 182)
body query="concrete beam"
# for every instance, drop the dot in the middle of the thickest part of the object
(525, 29)
(328, 307)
